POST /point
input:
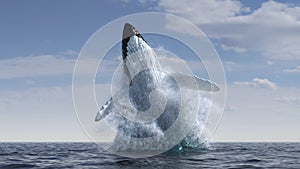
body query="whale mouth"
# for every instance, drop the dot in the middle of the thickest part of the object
(128, 32)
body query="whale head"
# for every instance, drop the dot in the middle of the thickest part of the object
(137, 54)
(132, 41)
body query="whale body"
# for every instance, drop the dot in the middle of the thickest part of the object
(145, 76)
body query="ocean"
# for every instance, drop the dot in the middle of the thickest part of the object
(89, 155)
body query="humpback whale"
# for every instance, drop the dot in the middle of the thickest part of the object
(145, 77)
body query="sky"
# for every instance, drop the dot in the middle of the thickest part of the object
(257, 42)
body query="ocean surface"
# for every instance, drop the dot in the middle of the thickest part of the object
(89, 155)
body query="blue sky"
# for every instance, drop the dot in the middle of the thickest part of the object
(257, 41)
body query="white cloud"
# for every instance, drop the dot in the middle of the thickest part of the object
(236, 49)
(146, 1)
(288, 99)
(231, 108)
(38, 114)
(260, 115)
(69, 52)
(272, 30)
(229, 65)
(36, 66)
(294, 70)
(258, 83)
(269, 62)
(30, 82)
(202, 11)
(52, 65)
(43, 113)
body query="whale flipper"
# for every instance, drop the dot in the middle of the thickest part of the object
(189, 81)
(105, 110)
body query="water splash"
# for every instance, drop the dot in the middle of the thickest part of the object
(194, 140)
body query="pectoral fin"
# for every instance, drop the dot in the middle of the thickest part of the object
(195, 83)
(104, 111)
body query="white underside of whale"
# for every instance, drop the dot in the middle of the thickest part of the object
(119, 111)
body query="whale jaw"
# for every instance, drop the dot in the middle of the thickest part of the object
(129, 31)
(137, 54)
